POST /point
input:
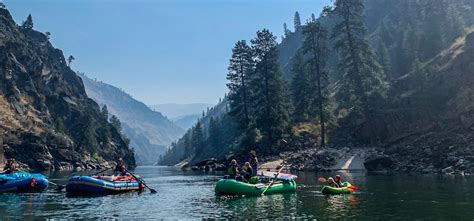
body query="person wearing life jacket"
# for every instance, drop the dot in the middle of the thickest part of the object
(10, 166)
(337, 180)
(253, 162)
(233, 170)
(247, 172)
(332, 183)
(120, 168)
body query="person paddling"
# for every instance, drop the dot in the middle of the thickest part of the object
(233, 169)
(120, 168)
(253, 162)
(10, 166)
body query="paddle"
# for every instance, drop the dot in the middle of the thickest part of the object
(352, 187)
(140, 181)
(102, 171)
(271, 182)
(58, 186)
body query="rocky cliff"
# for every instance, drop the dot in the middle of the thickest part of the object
(429, 124)
(150, 133)
(46, 119)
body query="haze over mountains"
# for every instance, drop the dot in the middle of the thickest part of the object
(396, 75)
(183, 115)
(149, 131)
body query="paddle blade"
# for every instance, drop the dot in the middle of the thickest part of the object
(59, 188)
(322, 179)
(152, 191)
(353, 187)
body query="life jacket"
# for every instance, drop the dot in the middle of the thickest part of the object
(231, 170)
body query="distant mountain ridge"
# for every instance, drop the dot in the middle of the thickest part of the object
(149, 131)
(183, 115)
(175, 111)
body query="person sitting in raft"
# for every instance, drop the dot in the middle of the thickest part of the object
(247, 172)
(337, 180)
(332, 183)
(233, 169)
(120, 168)
(9, 166)
(253, 162)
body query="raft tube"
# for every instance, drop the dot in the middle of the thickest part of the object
(23, 182)
(86, 185)
(333, 190)
(234, 187)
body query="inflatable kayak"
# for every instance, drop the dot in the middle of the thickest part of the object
(334, 190)
(234, 187)
(23, 182)
(102, 185)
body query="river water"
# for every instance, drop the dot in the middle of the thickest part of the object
(190, 195)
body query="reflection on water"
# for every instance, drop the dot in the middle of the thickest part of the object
(185, 195)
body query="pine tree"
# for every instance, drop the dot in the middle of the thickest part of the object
(363, 80)
(383, 58)
(215, 134)
(300, 87)
(105, 112)
(286, 31)
(268, 87)
(297, 21)
(197, 139)
(48, 35)
(28, 23)
(315, 48)
(69, 60)
(116, 123)
(240, 69)
(188, 149)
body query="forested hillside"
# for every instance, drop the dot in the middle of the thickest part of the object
(46, 119)
(150, 133)
(364, 73)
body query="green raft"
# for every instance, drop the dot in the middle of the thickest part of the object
(234, 187)
(333, 190)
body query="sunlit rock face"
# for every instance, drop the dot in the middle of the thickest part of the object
(46, 119)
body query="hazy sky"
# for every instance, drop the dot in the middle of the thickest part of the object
(159, 51)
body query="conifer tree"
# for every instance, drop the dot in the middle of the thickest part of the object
(363, 79)
(197, 138)
(269, 94)
(105, 112)
(215, 133)
(286, 31)
(240, 69)
(300, 89)
(316, 50)
(116, 123)
(383, 58)
(28, 23)
(70, 59)
(297, 21)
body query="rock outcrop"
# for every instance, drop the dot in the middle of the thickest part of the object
(46, 119)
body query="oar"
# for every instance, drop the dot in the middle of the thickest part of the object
(271, 182)
(140, 181)
(58, 186)
(102, 171)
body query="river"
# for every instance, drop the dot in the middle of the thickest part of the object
(190, 195)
